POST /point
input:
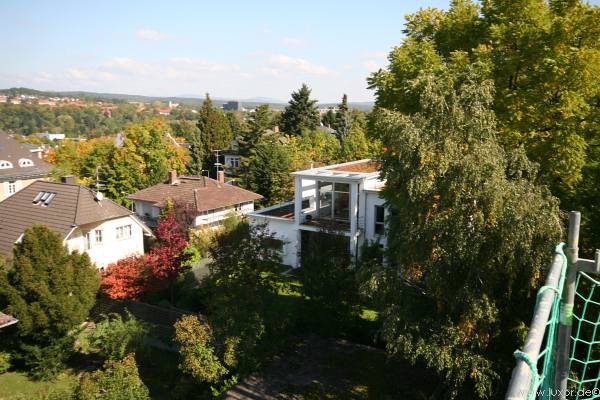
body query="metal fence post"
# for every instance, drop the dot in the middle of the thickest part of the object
(566, 306)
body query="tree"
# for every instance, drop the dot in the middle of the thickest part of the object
(167, 259)
(301, 113)
(329, 119)
(258, 122)
(119, 380)
(128, 278)
(357, 146)
(469, 236)
(50, 291)
(197, 350)
(144, 160)
(316, 146)
(269, 168)
(343, 120)
(214, 132)
(543, 58)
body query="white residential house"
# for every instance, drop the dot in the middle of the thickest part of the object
(86, 220)
(20, 165)
(208, 199)
(341, 199)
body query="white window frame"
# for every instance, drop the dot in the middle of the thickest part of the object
(11, 187)
(87, 240)
(5, 164)
(377, 224)
(98, 236)
(25, 162)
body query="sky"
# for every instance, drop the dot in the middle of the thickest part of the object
(231, 49)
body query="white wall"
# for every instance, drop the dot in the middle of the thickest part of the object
(218, 215)
(143, 207)
(285, 230)
(111, 249)
(372, 199)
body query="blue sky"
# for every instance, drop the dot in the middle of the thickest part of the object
(231, 49)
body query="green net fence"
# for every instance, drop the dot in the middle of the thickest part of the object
(584, 367)
(584, 361)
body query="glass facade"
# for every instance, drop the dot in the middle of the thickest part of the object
(334, 201)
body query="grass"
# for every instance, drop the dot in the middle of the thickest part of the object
(16, 385)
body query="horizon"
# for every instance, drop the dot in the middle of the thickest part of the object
(241, 51)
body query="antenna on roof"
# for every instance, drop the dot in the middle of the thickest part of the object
(99, 184)
(217, 164)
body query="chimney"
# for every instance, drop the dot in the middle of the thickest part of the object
(221, 176)
(70, 179)
(172, 177)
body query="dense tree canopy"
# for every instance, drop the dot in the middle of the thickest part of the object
(544, 59)
(469, 235)
(214, 133)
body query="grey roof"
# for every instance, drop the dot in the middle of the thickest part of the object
(12, 150)
(73, 205)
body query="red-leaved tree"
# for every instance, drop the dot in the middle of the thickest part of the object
(134, 276)
(128, 278)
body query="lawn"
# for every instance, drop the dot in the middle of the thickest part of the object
(16, 385)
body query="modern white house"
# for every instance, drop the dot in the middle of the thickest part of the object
(86, 220)
(20, 165)
(341, 199)
(208, 199)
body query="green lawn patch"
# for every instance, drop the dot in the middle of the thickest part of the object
(16, 385)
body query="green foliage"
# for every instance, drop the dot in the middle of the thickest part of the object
(258, 123)
(343, 119)
(242, 289)
(469, 236)
(301, 113)
(115, 337)
(544, 59)
(268, 172)
(46, 362)
(328, 281)
(90, 122)
(49, 289)
(119, 380)
(197, 350)
(317, 146)
(144, 160)
(214, 133)
(5, 363)
(357, 146)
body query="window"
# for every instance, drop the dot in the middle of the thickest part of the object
(25, 162)
(12, 187)
(123, 232)
(234, 162)
(379, 220)
(238, 207)
(98, 233)
(5, 164)
(305, 204)
(334, 200)
(87, 238)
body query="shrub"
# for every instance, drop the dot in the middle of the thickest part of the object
(119, 380)
(4, 362)
(115, 337)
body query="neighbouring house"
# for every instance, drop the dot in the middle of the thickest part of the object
(233, 106)
(87, 221)
(208, 199)
(20, 165)
(341, 200)
(53, 137)
(7, 320)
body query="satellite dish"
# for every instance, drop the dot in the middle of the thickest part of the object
(99, 196)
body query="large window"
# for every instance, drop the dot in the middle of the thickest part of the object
(379, 220)
(334, 200)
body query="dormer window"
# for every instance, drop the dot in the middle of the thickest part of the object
(5, 164)
(25, 162)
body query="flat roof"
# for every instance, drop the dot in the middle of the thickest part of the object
(353, 171)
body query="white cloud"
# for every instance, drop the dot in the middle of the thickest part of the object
(203, 65)
(152, 35)
(371, 66)
(293, 43)
(127, 65)
(278, 63)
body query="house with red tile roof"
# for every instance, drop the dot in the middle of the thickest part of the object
(210, 200)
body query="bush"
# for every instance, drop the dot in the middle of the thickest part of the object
(115, 337)
(119, 380)
(45, 363)
(4, 362)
